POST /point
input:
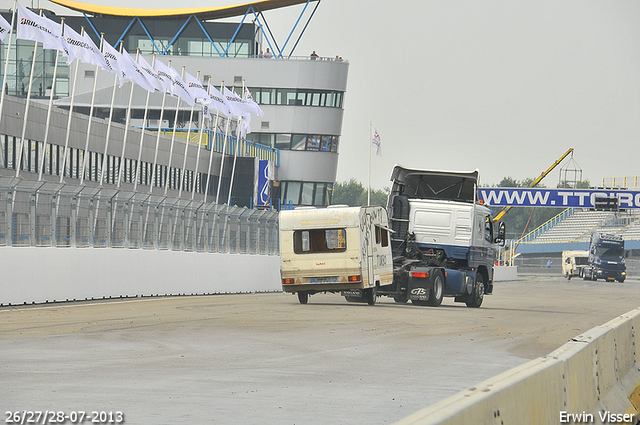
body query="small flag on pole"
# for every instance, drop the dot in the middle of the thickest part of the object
(376, 142)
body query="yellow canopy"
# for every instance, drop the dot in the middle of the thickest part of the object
(205, 13)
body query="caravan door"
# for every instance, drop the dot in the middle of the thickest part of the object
(369, 235)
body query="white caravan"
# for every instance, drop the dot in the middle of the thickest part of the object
(335, 249)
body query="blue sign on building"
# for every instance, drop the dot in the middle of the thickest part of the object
(563, 198)
(265, 175)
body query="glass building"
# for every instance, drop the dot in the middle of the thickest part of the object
(302, 97)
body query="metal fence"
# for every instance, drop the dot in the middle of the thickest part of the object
(61, 216)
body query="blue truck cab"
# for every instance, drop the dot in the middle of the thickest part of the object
(606, 258)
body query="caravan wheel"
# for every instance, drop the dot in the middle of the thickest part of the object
(303, 297)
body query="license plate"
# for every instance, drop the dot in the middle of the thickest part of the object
(330, 279)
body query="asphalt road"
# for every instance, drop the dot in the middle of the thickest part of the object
(266, 359)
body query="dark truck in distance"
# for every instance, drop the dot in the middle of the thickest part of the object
(606, 258)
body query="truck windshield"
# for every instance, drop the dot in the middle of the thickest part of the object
(610, 252)
(319, 240)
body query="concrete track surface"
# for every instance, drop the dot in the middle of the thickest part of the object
(266, 359)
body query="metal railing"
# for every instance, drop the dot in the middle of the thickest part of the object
(70, 216)
(546, 226)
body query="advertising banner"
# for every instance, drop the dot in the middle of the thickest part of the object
(561, 198)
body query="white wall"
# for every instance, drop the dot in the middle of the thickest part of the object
(32, 274)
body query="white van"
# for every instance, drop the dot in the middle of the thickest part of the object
(335, 249)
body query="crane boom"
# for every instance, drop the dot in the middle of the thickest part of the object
(536, 181)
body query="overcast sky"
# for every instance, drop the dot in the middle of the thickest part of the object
(502, 86)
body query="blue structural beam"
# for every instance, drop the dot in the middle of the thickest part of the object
(259, 18)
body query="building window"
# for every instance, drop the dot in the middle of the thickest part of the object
(297, 97)
(296, 142)
(305, 193)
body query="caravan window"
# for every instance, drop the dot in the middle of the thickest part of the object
(319, 240)
(382, 236)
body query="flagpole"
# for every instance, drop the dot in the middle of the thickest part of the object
(186, 151)
(6, 62)
(369, 179)
(213, 142)
(224, 147)
(155, 157)
(106, 143)
(193, 189)
(144, 126)
(20, 150)
(126, 126)
(235, 152)
(53, 89)
(173, 137)
(73, 92)
(93, 98)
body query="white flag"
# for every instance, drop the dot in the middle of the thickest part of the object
(165, 77)
(83, 48)
(245, 126)
(5, 28)
(176, 86)
(114, 61)
(134, 73)
(218, 103)
(39, 28)
(253, 104)
(151, 74)
(238, 106)
(197, 90)
(181, 89)
(376, 142)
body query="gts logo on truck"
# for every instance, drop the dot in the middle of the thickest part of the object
(418, 293)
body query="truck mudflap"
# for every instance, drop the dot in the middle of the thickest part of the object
(420, 283)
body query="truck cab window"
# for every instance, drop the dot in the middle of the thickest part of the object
(488, 229)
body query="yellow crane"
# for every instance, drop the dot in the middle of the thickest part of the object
(536, 181)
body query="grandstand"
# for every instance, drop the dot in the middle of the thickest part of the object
(572, 228)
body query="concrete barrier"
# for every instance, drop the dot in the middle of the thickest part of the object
(38, 275)
(505, 273)
(587, 380)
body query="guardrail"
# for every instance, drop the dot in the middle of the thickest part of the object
(215, 141)
(594, 378)
(92, 218)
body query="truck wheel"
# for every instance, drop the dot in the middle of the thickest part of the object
(420, 302)
(370, 295)
(438, 289)
(621, 280)
(400, 299)
(303, 297)
(477, 295)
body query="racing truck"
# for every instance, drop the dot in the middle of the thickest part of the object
(433, 240)
(606, 258)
